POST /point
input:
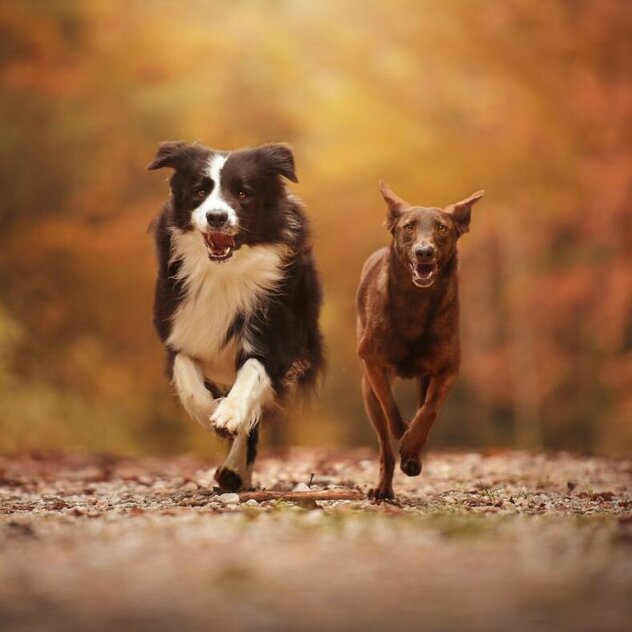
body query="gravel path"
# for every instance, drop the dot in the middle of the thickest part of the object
(478, 542)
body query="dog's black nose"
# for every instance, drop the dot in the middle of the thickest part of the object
(424, 252)
(216, 219)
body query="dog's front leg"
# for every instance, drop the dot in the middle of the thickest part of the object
(189, 383)
(382, 388)
(239, 412)
(415, 437)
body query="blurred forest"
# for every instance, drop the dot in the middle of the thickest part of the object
(528, 100)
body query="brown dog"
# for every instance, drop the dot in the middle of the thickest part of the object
(408, 324)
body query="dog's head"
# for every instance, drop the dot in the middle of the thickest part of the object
(231, 198)
(425, 239)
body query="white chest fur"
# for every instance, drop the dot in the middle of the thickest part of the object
(214, 295)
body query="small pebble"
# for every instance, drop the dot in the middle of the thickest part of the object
(314, 516)
(301, 487)
(251, 503)
(229, 499)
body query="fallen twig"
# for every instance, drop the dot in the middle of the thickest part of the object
(327, 494)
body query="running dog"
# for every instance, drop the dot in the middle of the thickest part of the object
(408, 325)
(238, 294)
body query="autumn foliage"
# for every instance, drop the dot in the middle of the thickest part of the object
(530, 101)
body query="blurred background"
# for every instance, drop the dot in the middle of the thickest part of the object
(530, 101)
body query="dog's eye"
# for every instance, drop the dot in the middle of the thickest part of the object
(408, 227)
(201, 193)
(242, 195)
(441, 227)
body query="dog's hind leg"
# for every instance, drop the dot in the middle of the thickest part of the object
(253, 440)
(375, 413)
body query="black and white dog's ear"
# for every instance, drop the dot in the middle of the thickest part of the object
(170, 154)
(280, 157)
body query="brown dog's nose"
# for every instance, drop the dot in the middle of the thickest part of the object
(424, 252)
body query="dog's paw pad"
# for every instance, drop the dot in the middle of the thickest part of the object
(228, 480)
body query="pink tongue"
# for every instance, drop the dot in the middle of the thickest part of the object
(221, 240)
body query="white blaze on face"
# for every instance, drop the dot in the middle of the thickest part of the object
(215, 201)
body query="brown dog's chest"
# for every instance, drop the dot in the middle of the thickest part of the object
(413, 356)
(409, 331)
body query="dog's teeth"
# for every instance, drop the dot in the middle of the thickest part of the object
(219, 255)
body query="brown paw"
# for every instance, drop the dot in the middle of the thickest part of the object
(410, 467)
(382, 492)
(228, 480)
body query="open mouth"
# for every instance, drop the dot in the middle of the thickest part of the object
(219, 246)
(423, 274)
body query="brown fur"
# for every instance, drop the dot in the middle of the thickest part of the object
(408, 325)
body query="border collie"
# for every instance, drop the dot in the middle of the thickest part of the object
(238, 294)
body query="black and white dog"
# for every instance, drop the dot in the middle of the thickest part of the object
(238, 295)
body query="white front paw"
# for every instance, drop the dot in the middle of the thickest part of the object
(230, 417)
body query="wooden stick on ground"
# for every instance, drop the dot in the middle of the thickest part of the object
(326, 494)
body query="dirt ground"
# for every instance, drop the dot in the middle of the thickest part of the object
(478, 542)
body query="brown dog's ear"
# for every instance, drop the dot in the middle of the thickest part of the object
(281, 158)
(170, 154)
(396, 206)
(461, 212)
